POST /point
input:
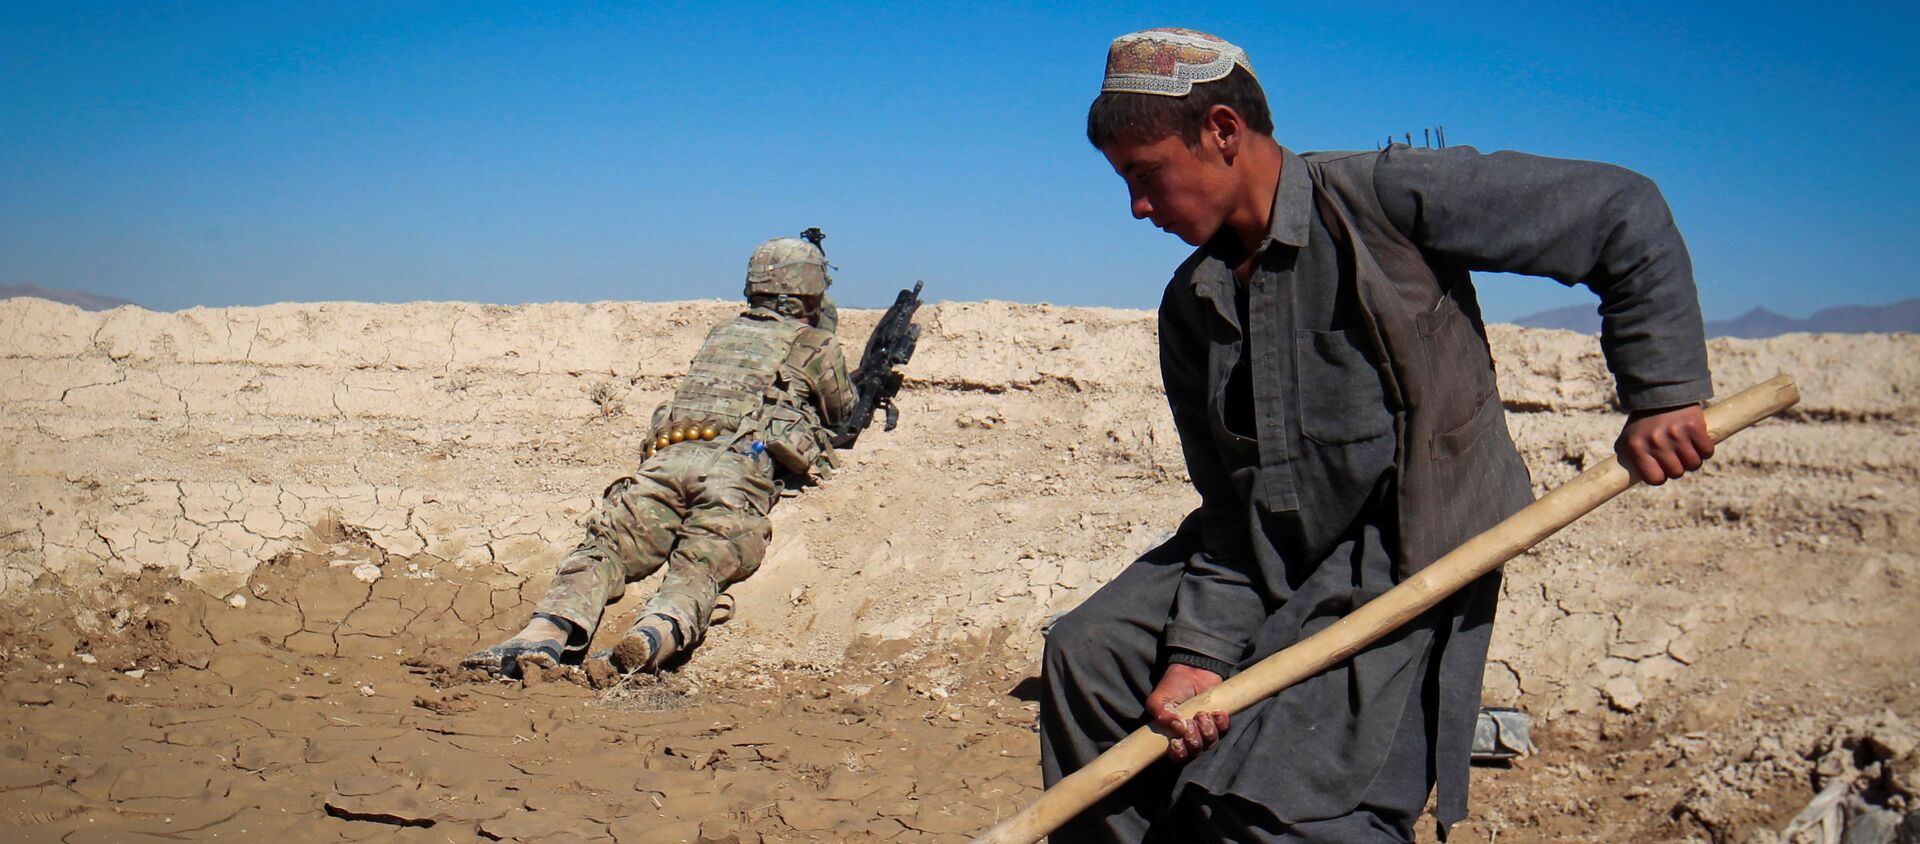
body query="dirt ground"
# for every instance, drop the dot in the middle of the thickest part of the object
(239, 549)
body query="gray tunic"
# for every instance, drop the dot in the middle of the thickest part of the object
(1292, 436)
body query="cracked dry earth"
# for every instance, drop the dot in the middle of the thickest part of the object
(240, 547)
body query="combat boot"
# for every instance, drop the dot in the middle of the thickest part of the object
(649, 643)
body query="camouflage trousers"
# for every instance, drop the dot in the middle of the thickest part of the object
(697, 508)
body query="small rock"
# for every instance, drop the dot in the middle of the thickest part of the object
(978, 419)
(1903, 775)
(1623, 694)
(136, 673)
(1683, 651)
(366, 689)
(237, 601)
(88, 659)
(1891, 738)
(366, 572)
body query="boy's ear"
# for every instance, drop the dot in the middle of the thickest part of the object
(1224, 129)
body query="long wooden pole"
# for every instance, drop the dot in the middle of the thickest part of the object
(1376, 618)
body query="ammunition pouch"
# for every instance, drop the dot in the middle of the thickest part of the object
(668, 434)
(794, 441)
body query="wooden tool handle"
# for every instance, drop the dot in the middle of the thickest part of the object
(1376, 618)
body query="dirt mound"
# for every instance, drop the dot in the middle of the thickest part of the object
(239, 546)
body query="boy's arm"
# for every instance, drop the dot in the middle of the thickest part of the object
(1216, 608)
(1577, 222)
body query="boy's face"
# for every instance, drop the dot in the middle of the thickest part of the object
(1183, 190)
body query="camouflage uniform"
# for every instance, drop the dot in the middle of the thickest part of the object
(760, 396)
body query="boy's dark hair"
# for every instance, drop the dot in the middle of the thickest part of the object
(1122, 116)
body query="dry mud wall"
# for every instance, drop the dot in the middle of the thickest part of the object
(1034, 458)
(350, 480)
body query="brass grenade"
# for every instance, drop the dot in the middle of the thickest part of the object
(709, 432)
(678, 434)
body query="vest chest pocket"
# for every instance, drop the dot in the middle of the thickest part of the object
(794, 441)
(1341, 399)
(1458, 367)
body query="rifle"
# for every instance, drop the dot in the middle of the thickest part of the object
(875, 382)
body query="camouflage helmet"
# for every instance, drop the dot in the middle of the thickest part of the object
(789, 266)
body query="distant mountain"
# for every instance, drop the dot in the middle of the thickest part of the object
(1582, 319)
(1903, 315)
(84, 301)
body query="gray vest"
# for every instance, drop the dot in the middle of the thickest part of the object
(1457, 471)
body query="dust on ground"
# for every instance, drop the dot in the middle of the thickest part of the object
(240, 547)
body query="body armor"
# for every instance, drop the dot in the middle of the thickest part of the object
(736, 388)
(736, 371)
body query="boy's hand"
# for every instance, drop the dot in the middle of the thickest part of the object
(1175, 687)
(1659, 444)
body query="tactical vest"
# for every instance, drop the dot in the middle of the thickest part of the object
(736, 371)
(736, 383)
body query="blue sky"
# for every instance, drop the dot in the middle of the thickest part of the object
(234, 154)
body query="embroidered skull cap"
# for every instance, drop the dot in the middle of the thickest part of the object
(1169, 61)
